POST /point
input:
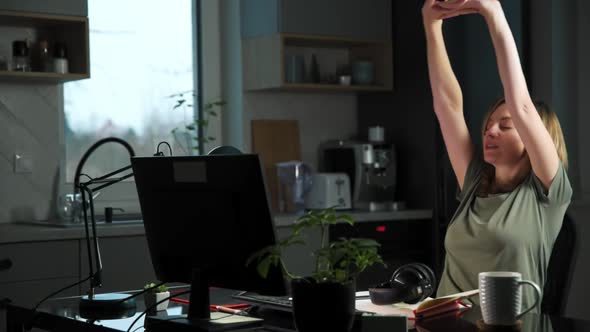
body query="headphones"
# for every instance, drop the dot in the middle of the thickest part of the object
(410, 283)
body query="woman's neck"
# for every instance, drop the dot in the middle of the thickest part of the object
(507, 178)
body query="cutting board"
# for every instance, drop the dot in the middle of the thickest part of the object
(275, 141)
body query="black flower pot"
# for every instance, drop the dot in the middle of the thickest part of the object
(323, 306)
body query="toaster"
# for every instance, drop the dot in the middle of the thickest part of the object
(329, 190)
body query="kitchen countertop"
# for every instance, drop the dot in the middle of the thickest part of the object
(46, 231)
(282, 220)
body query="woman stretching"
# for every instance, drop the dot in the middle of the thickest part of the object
(514, 194)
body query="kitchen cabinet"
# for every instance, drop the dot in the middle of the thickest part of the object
(40, 260)
(126, 263)
(42, 267)
(281, 37)
(265, 62)
(350, 19)
(62, 7)
(38, 268)
(401, 242)
(29, 293)
(35, 27)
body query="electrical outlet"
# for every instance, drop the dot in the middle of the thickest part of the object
(23, 163)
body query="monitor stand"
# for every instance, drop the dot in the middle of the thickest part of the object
(199, 317)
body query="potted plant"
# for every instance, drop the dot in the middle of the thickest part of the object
(325, 300)
(155, 295)
(183, 100)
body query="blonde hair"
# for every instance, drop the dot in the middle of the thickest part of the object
(549, 119)
(551, 122)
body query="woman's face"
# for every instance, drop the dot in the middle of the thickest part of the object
(502, 145)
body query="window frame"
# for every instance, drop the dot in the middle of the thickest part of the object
(124, 194)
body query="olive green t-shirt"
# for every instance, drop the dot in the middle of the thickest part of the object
(512, 231)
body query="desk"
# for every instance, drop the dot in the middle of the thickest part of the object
(62, 315)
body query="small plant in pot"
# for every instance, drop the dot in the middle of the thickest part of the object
(155, 295)
(325, 300)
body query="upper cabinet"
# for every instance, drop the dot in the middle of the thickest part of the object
(353, 19)
(36, 46)
(337, 45)
(60, 7)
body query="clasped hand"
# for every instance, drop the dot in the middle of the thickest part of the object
(435, 10)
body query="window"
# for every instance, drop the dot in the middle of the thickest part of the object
(142, 54)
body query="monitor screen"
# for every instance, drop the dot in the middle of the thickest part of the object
(209, 213)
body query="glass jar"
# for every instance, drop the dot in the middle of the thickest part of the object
(60, 59)
(21, 60)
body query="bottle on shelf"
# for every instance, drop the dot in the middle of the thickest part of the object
(45, 60)
(60, 58)
(314, 72)
(21, 60)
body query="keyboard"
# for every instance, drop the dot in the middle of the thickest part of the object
(278, 302)
(274, 302)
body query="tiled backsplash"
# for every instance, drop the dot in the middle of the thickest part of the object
(321, 117)
(29, 125)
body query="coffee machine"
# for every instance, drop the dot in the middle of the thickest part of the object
(371, 167)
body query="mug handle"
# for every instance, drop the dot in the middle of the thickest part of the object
(537, 296)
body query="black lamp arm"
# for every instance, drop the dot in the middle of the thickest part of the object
(85, 188)
(95, 277)
(89, 152)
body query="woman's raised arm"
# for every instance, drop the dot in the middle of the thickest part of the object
(446, 92)
(537, 141)
(526, 119)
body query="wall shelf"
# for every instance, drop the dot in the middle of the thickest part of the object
(331, 87)
(41, 77)
(264, 62)
(71, 30)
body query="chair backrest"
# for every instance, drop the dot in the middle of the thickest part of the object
(559, 270)
(5, 264)
(225, 149)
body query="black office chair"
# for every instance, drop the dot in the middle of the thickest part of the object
(225, 149)
(5, 264)
(559, 270)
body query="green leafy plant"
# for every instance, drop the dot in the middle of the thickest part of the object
(153, 289)
(338, 262)
(184, 101)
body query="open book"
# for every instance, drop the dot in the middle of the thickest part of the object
(425, 309)
(443, 304)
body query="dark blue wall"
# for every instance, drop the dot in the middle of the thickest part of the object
(407, 113)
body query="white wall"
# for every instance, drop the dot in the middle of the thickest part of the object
(29, 125)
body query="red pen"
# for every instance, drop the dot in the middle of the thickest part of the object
(213, 306)
(230, 310)
(179, 300)
(236, 305)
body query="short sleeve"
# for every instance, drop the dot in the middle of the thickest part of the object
(560, 191)
(472, 175)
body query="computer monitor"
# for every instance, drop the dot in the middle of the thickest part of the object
(204, 216)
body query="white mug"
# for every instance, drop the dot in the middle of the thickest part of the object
(500, 297)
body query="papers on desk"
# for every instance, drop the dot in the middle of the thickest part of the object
(221, 318)
(398, 309)
(390, 318)
(427, 308)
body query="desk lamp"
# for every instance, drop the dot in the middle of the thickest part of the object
(107, 305)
